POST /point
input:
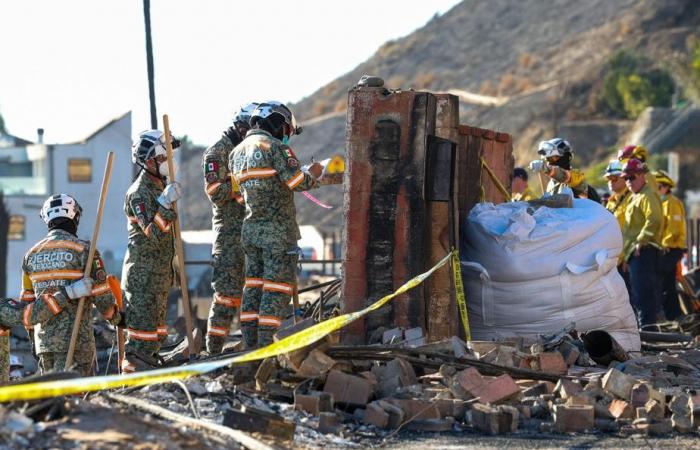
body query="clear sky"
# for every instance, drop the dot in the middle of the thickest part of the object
(71, 66)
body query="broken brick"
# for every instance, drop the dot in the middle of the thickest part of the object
(618, 384)
(552, 362)
(694, 407)
(573, 418)
(348, 389)
(567, 388)
(375, 415)
(580, 400)
(543, 387)
(499, 389)
(314, 402)
(681, 423)
(396, 414)
(655, 411)
(416, 409)
(494, 420)
(620, 409)
(316, 364)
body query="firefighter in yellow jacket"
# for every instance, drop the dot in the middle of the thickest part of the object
(641, 248)
(519, 186)
(673, 243)
(51, 270)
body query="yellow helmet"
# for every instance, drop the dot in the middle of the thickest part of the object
(662, 177)
(633, 151)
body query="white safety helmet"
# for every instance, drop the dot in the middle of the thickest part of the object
(554, 147)
(614, 168)
(150, 144)
(244, 113)
(61, 205)
(270, 108)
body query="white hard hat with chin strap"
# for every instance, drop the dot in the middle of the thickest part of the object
(149, 145)
(61, 206)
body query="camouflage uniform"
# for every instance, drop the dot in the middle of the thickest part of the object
(56, 261)
(267, 172)
(228, 259)
(147, 274)
(12, 314)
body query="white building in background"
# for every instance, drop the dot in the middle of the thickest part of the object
(29, 173)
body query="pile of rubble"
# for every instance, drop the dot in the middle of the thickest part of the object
(332, 395)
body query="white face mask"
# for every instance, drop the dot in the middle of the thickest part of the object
(163, 169)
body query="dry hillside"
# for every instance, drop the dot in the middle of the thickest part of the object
(541, 63)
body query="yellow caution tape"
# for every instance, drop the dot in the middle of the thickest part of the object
(46, 389)
(461, 298)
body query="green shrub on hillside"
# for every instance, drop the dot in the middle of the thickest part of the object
(631, 84)
(695, 64)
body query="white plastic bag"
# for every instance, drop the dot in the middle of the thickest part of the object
(526, 275)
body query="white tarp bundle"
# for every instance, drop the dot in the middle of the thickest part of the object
(535, 273)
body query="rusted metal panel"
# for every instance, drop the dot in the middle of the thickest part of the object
(384, 205)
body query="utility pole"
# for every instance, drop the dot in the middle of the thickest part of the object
(149, 63)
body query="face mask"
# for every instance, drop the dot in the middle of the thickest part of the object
(285, 140)
(163, 169)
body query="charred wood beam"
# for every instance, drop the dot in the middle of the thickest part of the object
(433, 360)
(239, 437)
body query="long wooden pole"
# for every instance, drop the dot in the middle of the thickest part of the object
(91, 256)
(179, 250)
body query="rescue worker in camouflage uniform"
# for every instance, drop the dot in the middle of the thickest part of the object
(12, 314)
(268, 172)
(147, 273)
(50, 270)
(228, 259)
(555, 161)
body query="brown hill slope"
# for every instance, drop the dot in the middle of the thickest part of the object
(543, 60)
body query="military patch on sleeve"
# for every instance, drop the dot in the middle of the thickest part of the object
(289, 152)
(212, 166)
(292, 163)
(100, 276)
(98, 264)
(212, 177)
(140, 208)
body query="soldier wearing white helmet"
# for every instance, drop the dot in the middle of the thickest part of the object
(53, 276)
(555, 161)
(268, 172)
(228, 259)
(147, 273)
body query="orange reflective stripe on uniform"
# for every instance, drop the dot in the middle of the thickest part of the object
(4, 331)
(249, 316)
(269, 321)
(162, 330)
(213, 187)
(27, 316)
(295, 180)
(61, 245)
(163, 224)
(140, 335)
(147, 231)
(273, 286)
(100, 289)
(255, 173)
(231, 302)
(51, 303)
(27, 296)
(132, 219)
(218, 331)
(253, 283)
(56, 275)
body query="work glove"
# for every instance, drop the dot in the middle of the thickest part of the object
(79, 289)
(170, 195)
(538, 165)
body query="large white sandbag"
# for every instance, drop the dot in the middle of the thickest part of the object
(529, 274)
(514, 245)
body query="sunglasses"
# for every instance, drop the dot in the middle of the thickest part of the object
(630, 178)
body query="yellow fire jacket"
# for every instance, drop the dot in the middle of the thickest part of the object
(674, 222)
(617, 204)
(644, 221)
(524, 196)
